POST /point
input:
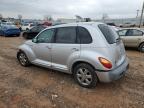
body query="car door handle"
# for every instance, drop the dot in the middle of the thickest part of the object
(75, 49)
(48, 47)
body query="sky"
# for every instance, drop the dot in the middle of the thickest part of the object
(37, 9)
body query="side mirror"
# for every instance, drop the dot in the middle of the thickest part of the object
(34, 40)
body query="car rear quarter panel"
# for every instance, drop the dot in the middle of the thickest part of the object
(90, 57)
(90, 52)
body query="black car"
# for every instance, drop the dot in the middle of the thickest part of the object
(30, 34)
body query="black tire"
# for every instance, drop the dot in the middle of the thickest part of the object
(25, 35)
(4, 34)
(27, 29)
(86, 68)
(141, 47)
(20, 29)
(23, 59)
(18, 35)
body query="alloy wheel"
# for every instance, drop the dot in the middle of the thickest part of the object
(84, 76)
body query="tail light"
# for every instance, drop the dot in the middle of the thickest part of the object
(106, 63)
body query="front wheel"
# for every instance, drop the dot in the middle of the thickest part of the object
(141, 47)
(3, 33)
(85, 75)
(25, 35)
(23, 59)
(18, 35)
(27, 29)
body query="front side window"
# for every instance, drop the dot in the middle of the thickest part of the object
(122, 32)
(84, 36)
(45, 36)
(66, 35)
(134, 32)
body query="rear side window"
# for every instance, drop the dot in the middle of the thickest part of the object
(84, 36)
(133, 32)
(110, 35)
(66, 35)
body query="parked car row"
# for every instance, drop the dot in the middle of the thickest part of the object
(32, 32)
(29, 30)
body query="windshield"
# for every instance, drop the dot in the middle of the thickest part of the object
(7, 23)
(109, 33)
(10, 24)
(26, 24)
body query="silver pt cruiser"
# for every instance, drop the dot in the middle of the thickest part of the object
(91, 52)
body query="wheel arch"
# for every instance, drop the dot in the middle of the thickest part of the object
(79, 62)
(28, 51)
(140, 45)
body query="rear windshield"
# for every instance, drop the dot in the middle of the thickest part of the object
(110, 34)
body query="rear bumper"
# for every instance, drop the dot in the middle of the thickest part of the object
(115, 74)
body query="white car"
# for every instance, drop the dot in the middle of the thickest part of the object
(27, 26)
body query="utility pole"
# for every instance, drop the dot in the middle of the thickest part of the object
(141, 15)
(137, 13)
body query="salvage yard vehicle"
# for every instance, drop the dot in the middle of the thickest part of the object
(8, 29)
(27, 26)
(30, 34)
(132, 37)
(91, 51)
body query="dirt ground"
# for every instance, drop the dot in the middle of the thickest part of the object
(36, 87)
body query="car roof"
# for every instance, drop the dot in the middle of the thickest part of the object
(131, 28)
(77, 24)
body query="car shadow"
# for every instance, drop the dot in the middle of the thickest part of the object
(59, 77)
(131, 49)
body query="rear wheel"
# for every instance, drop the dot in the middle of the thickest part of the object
(23, 59)
(85, 75)
(3, 33)
(141, 47)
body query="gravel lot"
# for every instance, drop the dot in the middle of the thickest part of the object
(36, 87)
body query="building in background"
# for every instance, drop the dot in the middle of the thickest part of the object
(122, 21)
